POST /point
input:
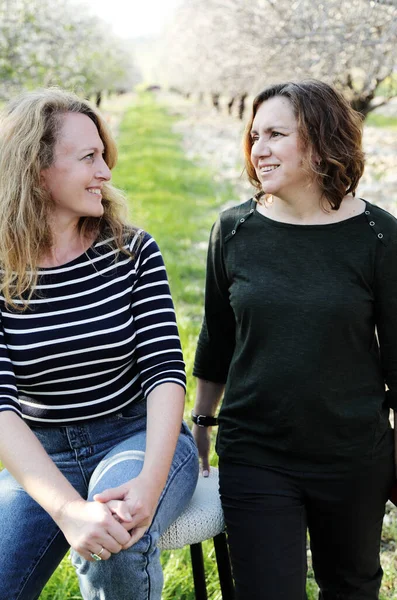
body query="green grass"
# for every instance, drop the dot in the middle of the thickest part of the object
(378, 120)
(176, 201)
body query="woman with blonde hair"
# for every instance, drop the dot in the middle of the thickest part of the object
(299, 338)
(92, 380)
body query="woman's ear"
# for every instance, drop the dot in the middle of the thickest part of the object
(43, 179)
(316, 158)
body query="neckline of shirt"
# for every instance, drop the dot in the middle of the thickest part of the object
(314, 226)
(83, 256)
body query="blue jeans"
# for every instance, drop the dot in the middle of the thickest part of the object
(93, 456)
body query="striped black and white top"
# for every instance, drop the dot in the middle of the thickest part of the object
(100, 333)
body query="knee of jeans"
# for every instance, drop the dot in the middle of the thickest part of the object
(115, 470)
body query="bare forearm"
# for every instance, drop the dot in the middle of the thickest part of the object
(25, 458)
(164, 418)
(208, 396)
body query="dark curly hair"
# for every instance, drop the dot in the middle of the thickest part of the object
(328, 127)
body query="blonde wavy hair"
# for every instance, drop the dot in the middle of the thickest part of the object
(29, 129)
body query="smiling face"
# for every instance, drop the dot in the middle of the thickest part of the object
(78, 172)
(277, 154)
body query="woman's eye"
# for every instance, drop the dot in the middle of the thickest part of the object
(90, 156)
(254, 138)
(276, 134)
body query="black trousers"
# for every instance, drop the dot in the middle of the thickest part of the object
(268, 512)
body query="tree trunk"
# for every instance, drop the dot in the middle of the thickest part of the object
(230, 105)
(215, 101)
(98, 99)
(241, 106)
(362, 104)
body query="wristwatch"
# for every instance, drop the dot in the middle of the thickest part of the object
(204, 420)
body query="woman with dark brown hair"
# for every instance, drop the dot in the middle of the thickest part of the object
(299, 337)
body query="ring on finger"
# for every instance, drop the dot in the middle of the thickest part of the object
(97, 556)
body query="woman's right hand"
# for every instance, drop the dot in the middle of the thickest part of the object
(202, 436)
(89, 527)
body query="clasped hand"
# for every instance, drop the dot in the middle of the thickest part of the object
(133, 505)
(114, 521)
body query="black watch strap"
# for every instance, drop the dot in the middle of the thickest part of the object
(204, 420)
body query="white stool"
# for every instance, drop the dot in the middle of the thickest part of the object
(201, 520)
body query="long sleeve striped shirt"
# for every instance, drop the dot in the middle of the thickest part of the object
(100, 332)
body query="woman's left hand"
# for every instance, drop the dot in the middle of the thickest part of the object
(133, 504)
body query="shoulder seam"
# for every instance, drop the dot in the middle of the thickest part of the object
(236, 216)
(382, 223)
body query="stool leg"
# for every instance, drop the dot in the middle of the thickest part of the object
(196, 553)
(224, 568)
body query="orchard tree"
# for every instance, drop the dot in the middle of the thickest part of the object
(40, 46)
(350, 44)
(235, 48)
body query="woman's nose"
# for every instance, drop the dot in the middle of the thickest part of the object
(103, 171)
(261, 148)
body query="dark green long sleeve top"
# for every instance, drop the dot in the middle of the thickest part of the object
(301, 324)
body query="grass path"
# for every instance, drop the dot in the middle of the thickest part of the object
(176, 201)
